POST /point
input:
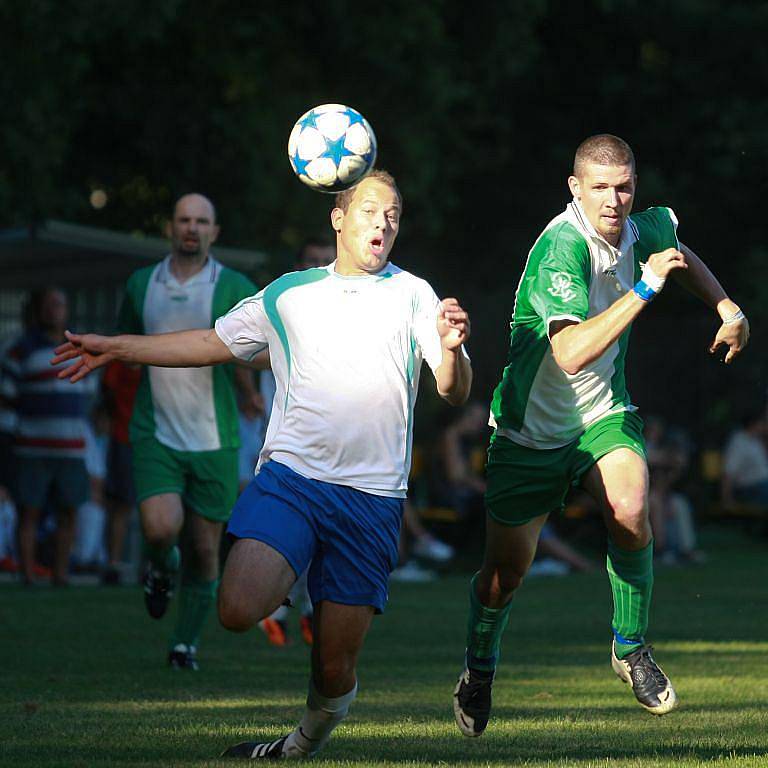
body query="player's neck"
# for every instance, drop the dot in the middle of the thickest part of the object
(347, 267)
(184, 267)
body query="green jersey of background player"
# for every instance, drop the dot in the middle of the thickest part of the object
(184, 430)
(562, 413)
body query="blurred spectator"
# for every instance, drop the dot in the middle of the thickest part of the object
(118, 393)
(459, 480)
(8, 421)
(555, 557)
(745, 463)
(88, 551)
(50, 435)
(416, 540)
(671, 511)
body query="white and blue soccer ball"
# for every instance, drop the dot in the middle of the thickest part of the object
(332, 147)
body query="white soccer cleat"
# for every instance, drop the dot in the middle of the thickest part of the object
(652, 688)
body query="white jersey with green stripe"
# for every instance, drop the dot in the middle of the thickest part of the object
(346, 353)
(187, 409)
(572, 273)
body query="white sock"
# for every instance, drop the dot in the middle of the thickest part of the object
(321, 716)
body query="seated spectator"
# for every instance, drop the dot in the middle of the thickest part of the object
(745, 463)
(671, 511)
(458, 480)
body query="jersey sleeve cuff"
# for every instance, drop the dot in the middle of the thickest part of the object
(554, 318)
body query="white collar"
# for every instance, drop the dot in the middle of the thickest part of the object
(207, 274)
(608, 255)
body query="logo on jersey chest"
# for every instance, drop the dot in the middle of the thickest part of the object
(562, 286)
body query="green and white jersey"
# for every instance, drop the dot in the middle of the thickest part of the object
(346, 353)
(188, 409)
(571, 273)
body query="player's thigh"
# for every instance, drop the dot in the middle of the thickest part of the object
(255, 581)
(211, 482)
(156, 469)
(618, 482)
(358, 534)
(525, 483)
(339, 634)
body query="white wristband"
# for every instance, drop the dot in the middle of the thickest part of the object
(734, 318)
(651, 279)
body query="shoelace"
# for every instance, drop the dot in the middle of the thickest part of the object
(653, 668)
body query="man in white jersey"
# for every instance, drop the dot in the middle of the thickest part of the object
(346, 343)
(562, 414)
(184, 428)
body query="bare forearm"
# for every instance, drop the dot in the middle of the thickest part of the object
(454, 376)
(577, 345)
(183, 349)
(699, 280)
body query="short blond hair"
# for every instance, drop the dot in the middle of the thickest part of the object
(343, 199)
(602, 149)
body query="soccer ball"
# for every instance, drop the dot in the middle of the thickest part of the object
(331, 147)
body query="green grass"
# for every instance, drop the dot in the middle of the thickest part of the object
(83, 679)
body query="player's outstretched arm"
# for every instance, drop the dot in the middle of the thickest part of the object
(576, 345)
(454, 374)
(699, 280)
(184, 349)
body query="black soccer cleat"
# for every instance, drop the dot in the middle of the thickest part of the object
(650, 685)
(184, 657)
(254, 750)
(158, 590)
(472, 701)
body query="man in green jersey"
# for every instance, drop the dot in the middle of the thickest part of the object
(184, 429)
(562, 414)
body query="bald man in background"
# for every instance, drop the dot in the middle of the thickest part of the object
(184, 428)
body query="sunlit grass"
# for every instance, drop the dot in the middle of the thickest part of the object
(84, 680)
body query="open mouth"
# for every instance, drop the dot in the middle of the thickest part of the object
(377, 246)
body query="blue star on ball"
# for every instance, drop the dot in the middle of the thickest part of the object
(299, 165)
(335, 149)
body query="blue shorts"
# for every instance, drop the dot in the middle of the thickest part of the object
(349, 536)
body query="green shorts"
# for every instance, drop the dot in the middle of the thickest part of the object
(207, 481)
(524, 483)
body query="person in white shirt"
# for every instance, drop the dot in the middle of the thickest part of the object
(346, 343)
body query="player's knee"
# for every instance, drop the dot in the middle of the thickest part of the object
(234, 615)
(630, 511)
(335, 673)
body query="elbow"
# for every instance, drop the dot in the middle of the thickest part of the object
(455, 398)
(569, 365)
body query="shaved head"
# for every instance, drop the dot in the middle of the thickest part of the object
(193, 227)
(198, 201)
(602, 149)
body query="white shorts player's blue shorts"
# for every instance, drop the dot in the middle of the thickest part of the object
(350, 537)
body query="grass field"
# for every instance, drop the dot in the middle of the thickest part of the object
(84, 683)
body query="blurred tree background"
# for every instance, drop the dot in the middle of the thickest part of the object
(477, 108)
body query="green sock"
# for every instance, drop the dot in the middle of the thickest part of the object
(196, 598)
(631, 576)
(484, 630)
(163, 557)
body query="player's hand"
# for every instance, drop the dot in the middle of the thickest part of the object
(734, 336)
(664, 262)
(88, 351)
(452, 324)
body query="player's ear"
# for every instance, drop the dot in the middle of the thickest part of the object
(337, 216)
(575, 187)
(214, 232)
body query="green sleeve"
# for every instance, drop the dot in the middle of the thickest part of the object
(231, 289)
(130, 315)
(560, 276)
(657, 228)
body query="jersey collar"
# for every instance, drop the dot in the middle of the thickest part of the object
(207, 274)
(607, 255)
